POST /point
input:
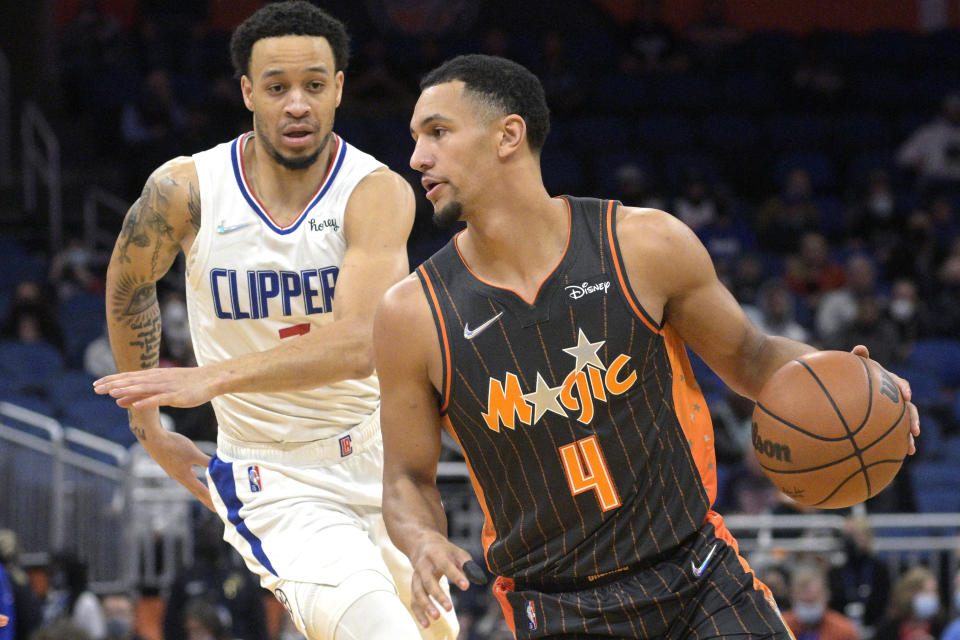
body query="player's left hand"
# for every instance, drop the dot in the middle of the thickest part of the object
(167, 386)
(904, 386)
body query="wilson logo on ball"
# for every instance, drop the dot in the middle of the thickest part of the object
(770, 448)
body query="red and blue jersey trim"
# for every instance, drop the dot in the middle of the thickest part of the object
(239, 172)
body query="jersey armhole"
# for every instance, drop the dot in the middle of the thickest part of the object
(441, 325)
(621, 270)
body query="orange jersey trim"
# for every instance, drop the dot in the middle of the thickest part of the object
(621, 278)
(692, 412)
(489, 533)
(448, 373)
(552, 271)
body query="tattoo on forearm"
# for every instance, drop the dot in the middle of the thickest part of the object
(146, 224)
(193, 203)
(138, 431)
(134, 305)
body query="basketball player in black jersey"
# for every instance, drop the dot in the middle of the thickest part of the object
(548, 339)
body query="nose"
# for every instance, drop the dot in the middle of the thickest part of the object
(420, 160)
(296, 105)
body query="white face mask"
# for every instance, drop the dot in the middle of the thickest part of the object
(807, 613)
(901, 309)
(925, 605)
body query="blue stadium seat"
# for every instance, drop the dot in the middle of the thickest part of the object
(939, 356)
(862, 164)
(678, 165)
(855, 131)
(68, 386)
(925, 387)
(16, 265)
(750, 90)
(621, 94)
(600, 133)
(684, 92)
(28, 365)
(97, 415)
(937, 486)
(82, 320)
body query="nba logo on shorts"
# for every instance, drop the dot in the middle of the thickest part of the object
(531, 616)
(346, 446)
(253, 474)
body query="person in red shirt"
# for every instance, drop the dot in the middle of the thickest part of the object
(810, 619)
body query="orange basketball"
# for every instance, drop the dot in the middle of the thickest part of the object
(830, 429)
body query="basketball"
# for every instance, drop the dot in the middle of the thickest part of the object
(830, 429)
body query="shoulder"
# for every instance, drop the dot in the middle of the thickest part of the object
(404, 320)
(175, 175)
(382, 181)
(662, 248)
(405, 300)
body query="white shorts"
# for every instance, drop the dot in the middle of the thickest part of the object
(311, 512)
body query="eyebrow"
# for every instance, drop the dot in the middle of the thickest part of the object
(428, 120)
(275, 72)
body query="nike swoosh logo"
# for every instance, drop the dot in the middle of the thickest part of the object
(470, 334)
(223, 229)
(697, 571)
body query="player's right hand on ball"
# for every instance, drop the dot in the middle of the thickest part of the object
(434, 558)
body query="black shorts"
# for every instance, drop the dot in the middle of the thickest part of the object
(685, 595)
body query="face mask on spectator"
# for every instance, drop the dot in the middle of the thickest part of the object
(808, 613)
(901, 309)
(925, 605)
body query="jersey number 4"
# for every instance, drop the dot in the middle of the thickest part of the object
(587, 470)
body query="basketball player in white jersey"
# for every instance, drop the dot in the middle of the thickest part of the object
(291, 236)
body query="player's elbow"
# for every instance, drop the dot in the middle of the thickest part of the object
(361, 362)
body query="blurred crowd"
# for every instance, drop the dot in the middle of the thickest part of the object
(827, 199)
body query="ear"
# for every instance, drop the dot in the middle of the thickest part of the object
(513, 134)
(246, 88)
(339, 82)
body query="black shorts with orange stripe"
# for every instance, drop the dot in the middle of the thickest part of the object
(700, 590)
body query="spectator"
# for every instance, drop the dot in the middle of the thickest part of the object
(33, 316)
(917, 253)
(873, 222)
(8, 613)
(233, 593)
(871, 327)
(914, 612)
(908, 313)
(71, 271)
(747, 278)
(201, 621)
(69, 597)
(774, 311)
(945, 308)
(732, 421)
(118, 611)
(810, 618)
(28, 609)
(696, 205)
(860, 587)
(813, 272)
(952, 632)
(777, 578)
(783, 219)
(932, 152)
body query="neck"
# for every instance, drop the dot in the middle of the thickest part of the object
(516, 240)
(285, 192)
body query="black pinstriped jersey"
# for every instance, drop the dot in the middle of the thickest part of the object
(587, 440)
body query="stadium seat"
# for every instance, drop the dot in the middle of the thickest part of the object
(855, 131)
(97, 415)
(593, 134)
(28, 365)
(751, 91)
(924, 385)
(729, 132)
(818, 165)
(562, 173)
(684, 93)
(663, 132)
(82, 320)
(940, 356)
(937, 486)
(795, 131)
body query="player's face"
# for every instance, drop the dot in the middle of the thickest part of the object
(293, 92)
(449, 151)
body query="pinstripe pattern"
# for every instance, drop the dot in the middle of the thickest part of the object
(584, 362)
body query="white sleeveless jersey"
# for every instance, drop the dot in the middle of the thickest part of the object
(251, 284)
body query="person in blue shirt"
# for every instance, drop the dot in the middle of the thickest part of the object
(7, 621)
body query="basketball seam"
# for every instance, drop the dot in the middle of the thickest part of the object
(843, 421)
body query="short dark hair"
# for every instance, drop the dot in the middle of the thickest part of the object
(289, 18)
(505, 85)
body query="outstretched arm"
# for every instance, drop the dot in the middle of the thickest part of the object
(163, 220)
(378, 220)
(702, 311)
(407, 357)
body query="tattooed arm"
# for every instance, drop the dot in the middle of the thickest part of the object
(163, 220)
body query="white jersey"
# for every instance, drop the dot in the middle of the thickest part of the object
(252, 284)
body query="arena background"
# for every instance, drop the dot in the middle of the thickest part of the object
(782, 131)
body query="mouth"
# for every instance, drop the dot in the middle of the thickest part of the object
(431, 185)
(298, 136)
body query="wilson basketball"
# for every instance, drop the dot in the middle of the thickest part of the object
(830, 429)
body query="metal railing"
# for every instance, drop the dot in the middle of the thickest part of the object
(41, 160)
(96, 240)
